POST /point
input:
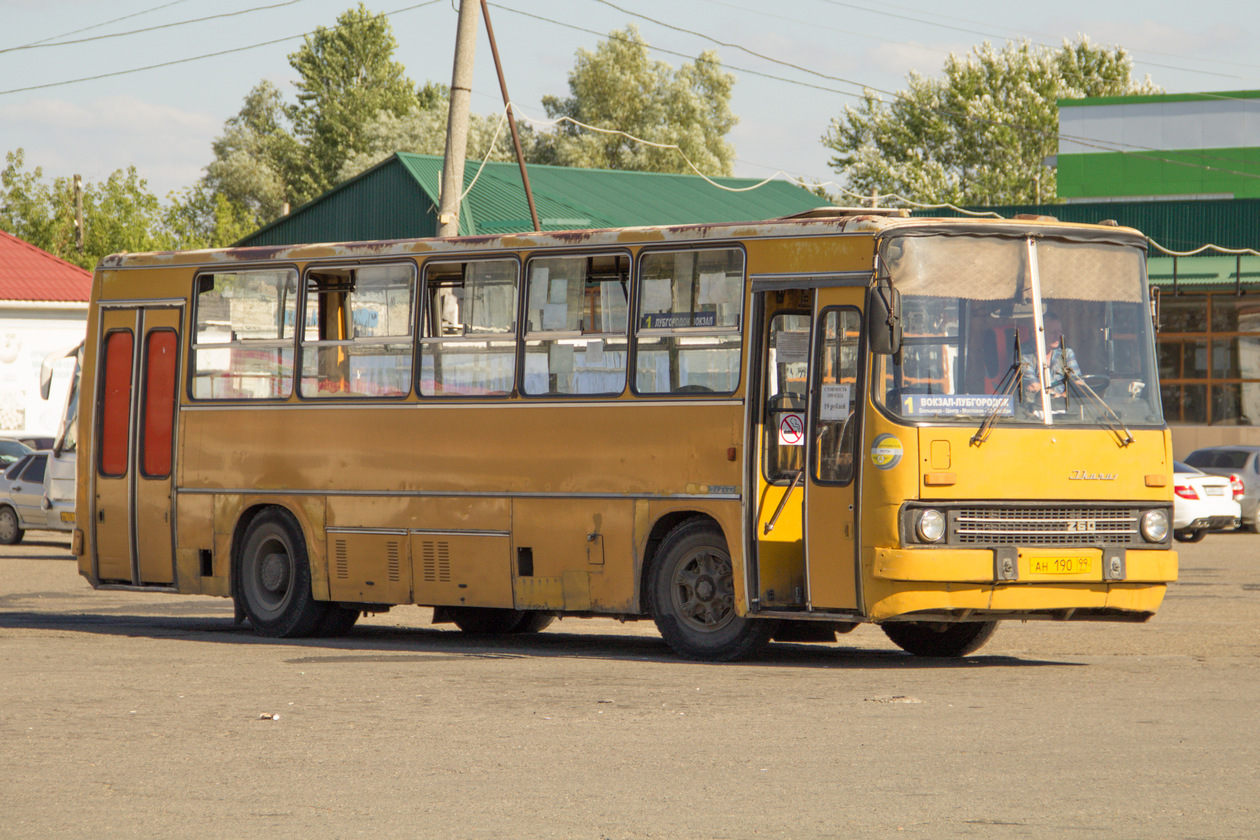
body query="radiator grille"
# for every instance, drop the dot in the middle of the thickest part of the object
(1050, 526)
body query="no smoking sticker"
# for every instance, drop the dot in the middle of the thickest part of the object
(792, 430)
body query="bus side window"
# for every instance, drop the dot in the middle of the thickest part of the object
(468, 333)
(243, 335)
(575, 325)
(356, 339)
(687, 336)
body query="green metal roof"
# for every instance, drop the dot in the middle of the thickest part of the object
(398, 198)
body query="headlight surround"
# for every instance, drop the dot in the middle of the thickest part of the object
(930, 526)
(1155, 526)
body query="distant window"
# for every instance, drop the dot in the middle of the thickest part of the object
(243, 339)
(468, 337)
(356, 337)
(575, 336)
(689, 317)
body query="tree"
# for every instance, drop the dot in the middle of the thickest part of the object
(979, 135)
(120, 213)
(618, 87)
(422, 130)
(347, 76)
(257, 158)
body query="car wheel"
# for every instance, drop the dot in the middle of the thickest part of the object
(1189, 536)
(10, 533)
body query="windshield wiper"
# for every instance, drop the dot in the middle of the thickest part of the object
(1106, 417)
(1014, 378)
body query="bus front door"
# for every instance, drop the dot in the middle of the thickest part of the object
(835, 438)
(132, 517)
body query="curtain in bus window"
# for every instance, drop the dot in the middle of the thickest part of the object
(159, 402)
(689, 318)
(116, 403)
(576, 316)
(243, 335)
(468, 344)
(356, 336)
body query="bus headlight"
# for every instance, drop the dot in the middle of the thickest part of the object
(1155, 525)
(931, 526)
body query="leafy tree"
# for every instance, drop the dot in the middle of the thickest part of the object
(980, 134)
(618, 87)
(120, 213)
(422, 130)
(256, 159)
(347, 75)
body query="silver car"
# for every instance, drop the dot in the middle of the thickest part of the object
(1238, 460)
(24, 502)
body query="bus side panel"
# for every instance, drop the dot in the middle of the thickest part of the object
(580, 554)
(427, 550)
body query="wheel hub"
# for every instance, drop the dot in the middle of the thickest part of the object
(273, 572)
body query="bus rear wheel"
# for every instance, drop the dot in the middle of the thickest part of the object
(274, 578)
(939, 638)
(692, 597)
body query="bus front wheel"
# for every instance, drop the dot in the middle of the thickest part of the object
(692, 597)
(274, 578)
(938, 638)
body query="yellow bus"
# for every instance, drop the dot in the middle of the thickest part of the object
(746, 432)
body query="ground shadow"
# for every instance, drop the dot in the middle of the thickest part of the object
(368, 643)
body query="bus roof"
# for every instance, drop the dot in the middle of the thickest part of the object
(822, 221)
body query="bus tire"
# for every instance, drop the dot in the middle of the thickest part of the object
(534, 621)
(939, 638)
(10, 532)
(692, 597)
(337, 621)
(274, 578)
(493, 621)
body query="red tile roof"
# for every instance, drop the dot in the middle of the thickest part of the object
(27, 273)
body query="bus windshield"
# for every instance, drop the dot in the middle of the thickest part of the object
(1017, 330)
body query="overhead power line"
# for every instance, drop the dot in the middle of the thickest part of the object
(45, 44)
(193, 58)
(103, 23)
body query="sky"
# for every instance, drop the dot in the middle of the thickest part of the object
(80, 103)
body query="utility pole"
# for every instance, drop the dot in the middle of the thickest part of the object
(507, 104)
(78, 212)
(457, 119)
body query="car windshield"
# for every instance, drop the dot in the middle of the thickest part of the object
(1017, 330)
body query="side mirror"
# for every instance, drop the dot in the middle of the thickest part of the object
(883, 318)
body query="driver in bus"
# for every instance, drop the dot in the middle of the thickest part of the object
(1056, 365)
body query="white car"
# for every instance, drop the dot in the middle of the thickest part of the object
(1203, 503)
(24, 501)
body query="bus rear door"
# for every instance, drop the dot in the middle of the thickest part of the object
(132, 517)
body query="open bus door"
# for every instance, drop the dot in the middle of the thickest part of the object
(804, 431)
(132, 500)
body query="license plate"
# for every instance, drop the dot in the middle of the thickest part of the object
(1061, 565)
(67, 516)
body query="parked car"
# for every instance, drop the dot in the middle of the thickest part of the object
(11, 451)
(1241, 461)
(1202, 503)
(24, 501)
(38, 443)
